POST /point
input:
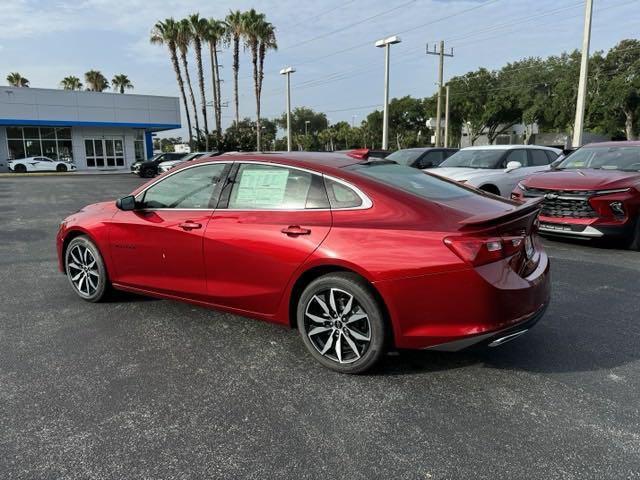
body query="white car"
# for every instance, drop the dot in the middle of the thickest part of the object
(39, 164)
(169, 164)
(496, 168)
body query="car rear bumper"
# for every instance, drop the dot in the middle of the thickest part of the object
(465, 307)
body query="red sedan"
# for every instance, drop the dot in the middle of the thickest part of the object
(361, 255)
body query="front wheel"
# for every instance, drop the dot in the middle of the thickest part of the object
(86, 270)
(147, 172)
(341, 323)
(61, 168)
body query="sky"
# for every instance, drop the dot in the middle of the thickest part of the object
(329, 42)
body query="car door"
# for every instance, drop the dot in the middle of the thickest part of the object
(510, 179)
(158, 246)
(269, 220)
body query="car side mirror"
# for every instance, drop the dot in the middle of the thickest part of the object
(127, 203)
(513, 166)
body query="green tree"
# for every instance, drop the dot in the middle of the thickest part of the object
(199, 32)
(166, 33)
(618, 97)
(121, 82)
(96, 81)
(252, 26)
(17, 80)
(71, 83)
(299, 118)
(184, 39)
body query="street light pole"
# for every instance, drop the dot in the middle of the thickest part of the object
(578, 126)
(288, 71)
(386, 43)
(306, 127)
(441, 54)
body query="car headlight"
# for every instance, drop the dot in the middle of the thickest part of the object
(521, 186)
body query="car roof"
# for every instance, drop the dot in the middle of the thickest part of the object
(510, 147)
(620, 143)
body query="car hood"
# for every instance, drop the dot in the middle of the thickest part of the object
(464, 173)
(583, 179)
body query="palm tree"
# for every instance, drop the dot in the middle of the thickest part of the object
(215, 34)
(253, 25)
(166, 33)
(121, 82)
(71, 83)
(235, 31)
(96, 81)
(183, 40)
(199, 30)
(267, 38)
(17, 80)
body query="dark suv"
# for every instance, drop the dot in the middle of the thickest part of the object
(149, 168)
(421, 157)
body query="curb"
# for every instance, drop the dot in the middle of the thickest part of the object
(58, 174)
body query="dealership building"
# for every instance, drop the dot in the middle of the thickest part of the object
(94, 130)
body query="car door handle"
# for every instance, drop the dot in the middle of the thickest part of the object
(295, 230)
(189, 225)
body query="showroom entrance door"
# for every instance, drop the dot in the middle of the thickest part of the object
(104, 153)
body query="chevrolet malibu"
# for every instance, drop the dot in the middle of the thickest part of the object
(359, 255)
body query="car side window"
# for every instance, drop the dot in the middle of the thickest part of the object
(341, 196)
(519, 155)
(270, 187)
(192, 188)
(538, 158)
(432, 159)
(551, 155)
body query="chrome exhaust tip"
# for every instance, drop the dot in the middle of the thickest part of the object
(507, 338)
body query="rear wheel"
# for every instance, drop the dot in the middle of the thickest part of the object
(341, 323)
(86, 270)
(20, 168)
(61, 168)
(635, 236)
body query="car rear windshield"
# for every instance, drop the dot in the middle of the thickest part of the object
(412, 181)
(474, 159)
(405, 157)
(604, 158)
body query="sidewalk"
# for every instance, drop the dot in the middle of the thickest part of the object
(77, 172)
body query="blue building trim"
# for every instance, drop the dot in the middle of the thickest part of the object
(148, 140)
(60, 123)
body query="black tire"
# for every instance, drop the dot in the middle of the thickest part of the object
(61, 168)
(634, 244)
(147, 172)
(88, 266)
(19, 168)
(336, 332)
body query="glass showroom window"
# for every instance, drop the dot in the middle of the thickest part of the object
(138, 144)
(49, 142)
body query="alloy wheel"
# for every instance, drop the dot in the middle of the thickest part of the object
(83, 270)
(337, 325)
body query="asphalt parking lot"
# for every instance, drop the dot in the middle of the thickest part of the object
(143, 388)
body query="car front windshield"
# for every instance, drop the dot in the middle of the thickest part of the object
(474, 159)
(404, 157)
(604, 158)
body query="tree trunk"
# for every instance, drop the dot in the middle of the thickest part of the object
(254, 60)
(219, 96)
(236, 66)
(214, 80)
(176, 68)
(183, 55)
(629, 124)
(198, 45)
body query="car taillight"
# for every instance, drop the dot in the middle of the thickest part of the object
(482, 250)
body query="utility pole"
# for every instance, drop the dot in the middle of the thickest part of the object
(386, 44)
(446, 117)
(578, 126)
(288, 71)
(441, 54)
